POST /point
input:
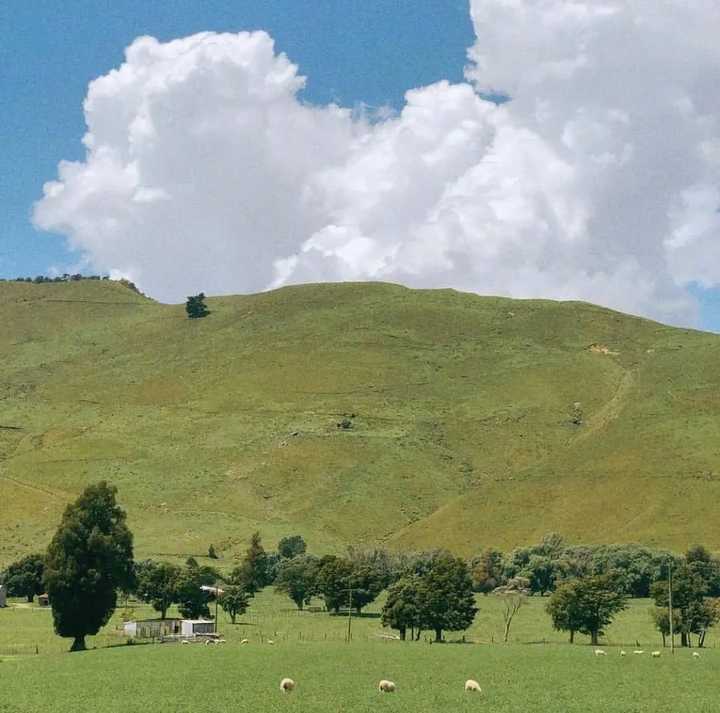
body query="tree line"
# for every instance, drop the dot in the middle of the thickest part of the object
(89, 562)
(67, 277)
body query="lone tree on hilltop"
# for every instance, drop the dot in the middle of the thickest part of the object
(89, 558)
(586, 605)
(196, 307)
(24, 578)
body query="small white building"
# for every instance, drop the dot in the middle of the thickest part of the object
(161, 628)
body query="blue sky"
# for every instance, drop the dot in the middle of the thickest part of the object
(372, 52)
(351, 51)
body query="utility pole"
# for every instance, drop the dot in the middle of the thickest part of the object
(349, 633)
(670, 610)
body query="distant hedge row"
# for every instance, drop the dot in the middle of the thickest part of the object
(77, 277)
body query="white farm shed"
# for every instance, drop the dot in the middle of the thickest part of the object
(161, 628)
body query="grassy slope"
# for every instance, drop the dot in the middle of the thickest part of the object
(462, 435)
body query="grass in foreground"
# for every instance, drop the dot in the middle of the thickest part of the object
(332, 676)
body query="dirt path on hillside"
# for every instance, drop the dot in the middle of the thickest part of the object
(609, 412)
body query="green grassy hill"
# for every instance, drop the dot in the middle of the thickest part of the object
(463, 433)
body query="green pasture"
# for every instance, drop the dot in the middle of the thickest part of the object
(536, 671)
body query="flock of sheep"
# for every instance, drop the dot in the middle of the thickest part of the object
(639, 652)
(287, 685)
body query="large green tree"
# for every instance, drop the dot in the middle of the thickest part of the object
(234, 601)
(403, 607)
(333, 581)
(24, 578)
(446, 595)
(252, 573)
(297, 577)
(89, 558)
(157, 584)
(586, 605)
(196, 307)
(291, 546)
(191, 598)
(695, 612)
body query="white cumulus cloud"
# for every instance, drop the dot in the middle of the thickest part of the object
(598, 180)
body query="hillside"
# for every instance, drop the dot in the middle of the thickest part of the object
(463, 434)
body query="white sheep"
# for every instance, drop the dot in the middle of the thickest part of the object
(271, 642)
(600, 652)
(471, 685)
(696, 654)
(184, 641)
(638, 652)
(655, 654)
(623, 652)
(386, 686)
(287, 685)
(244, 641)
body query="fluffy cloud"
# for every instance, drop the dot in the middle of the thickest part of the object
(599, 180)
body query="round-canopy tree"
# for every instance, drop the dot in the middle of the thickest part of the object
(24, 578)
(89, 558)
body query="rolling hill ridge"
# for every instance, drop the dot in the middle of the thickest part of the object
(473, 421)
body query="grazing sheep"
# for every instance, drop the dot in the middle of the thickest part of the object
(623, 653)
(471, 685)
(271, 642)
(696, 654)
(638, 652)
(287, 685)
(184, 641)
(600, 652)
(244, 641)
(655, 654)
(386, 686)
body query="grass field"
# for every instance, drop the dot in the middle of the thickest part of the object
(462, 436)
(537, 671)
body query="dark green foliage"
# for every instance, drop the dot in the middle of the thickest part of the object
(297, 577)
(701, 562)
(661, 617)
(292, 546)
(234, 601)
(191, 599)
(157, 584)
(24, 578)
(586, 605)
(446, 595)
(196, 307)
(343, 583)
(333, 581)
(403, 606)
(252, 574)
(89, 558)
(695, 613)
